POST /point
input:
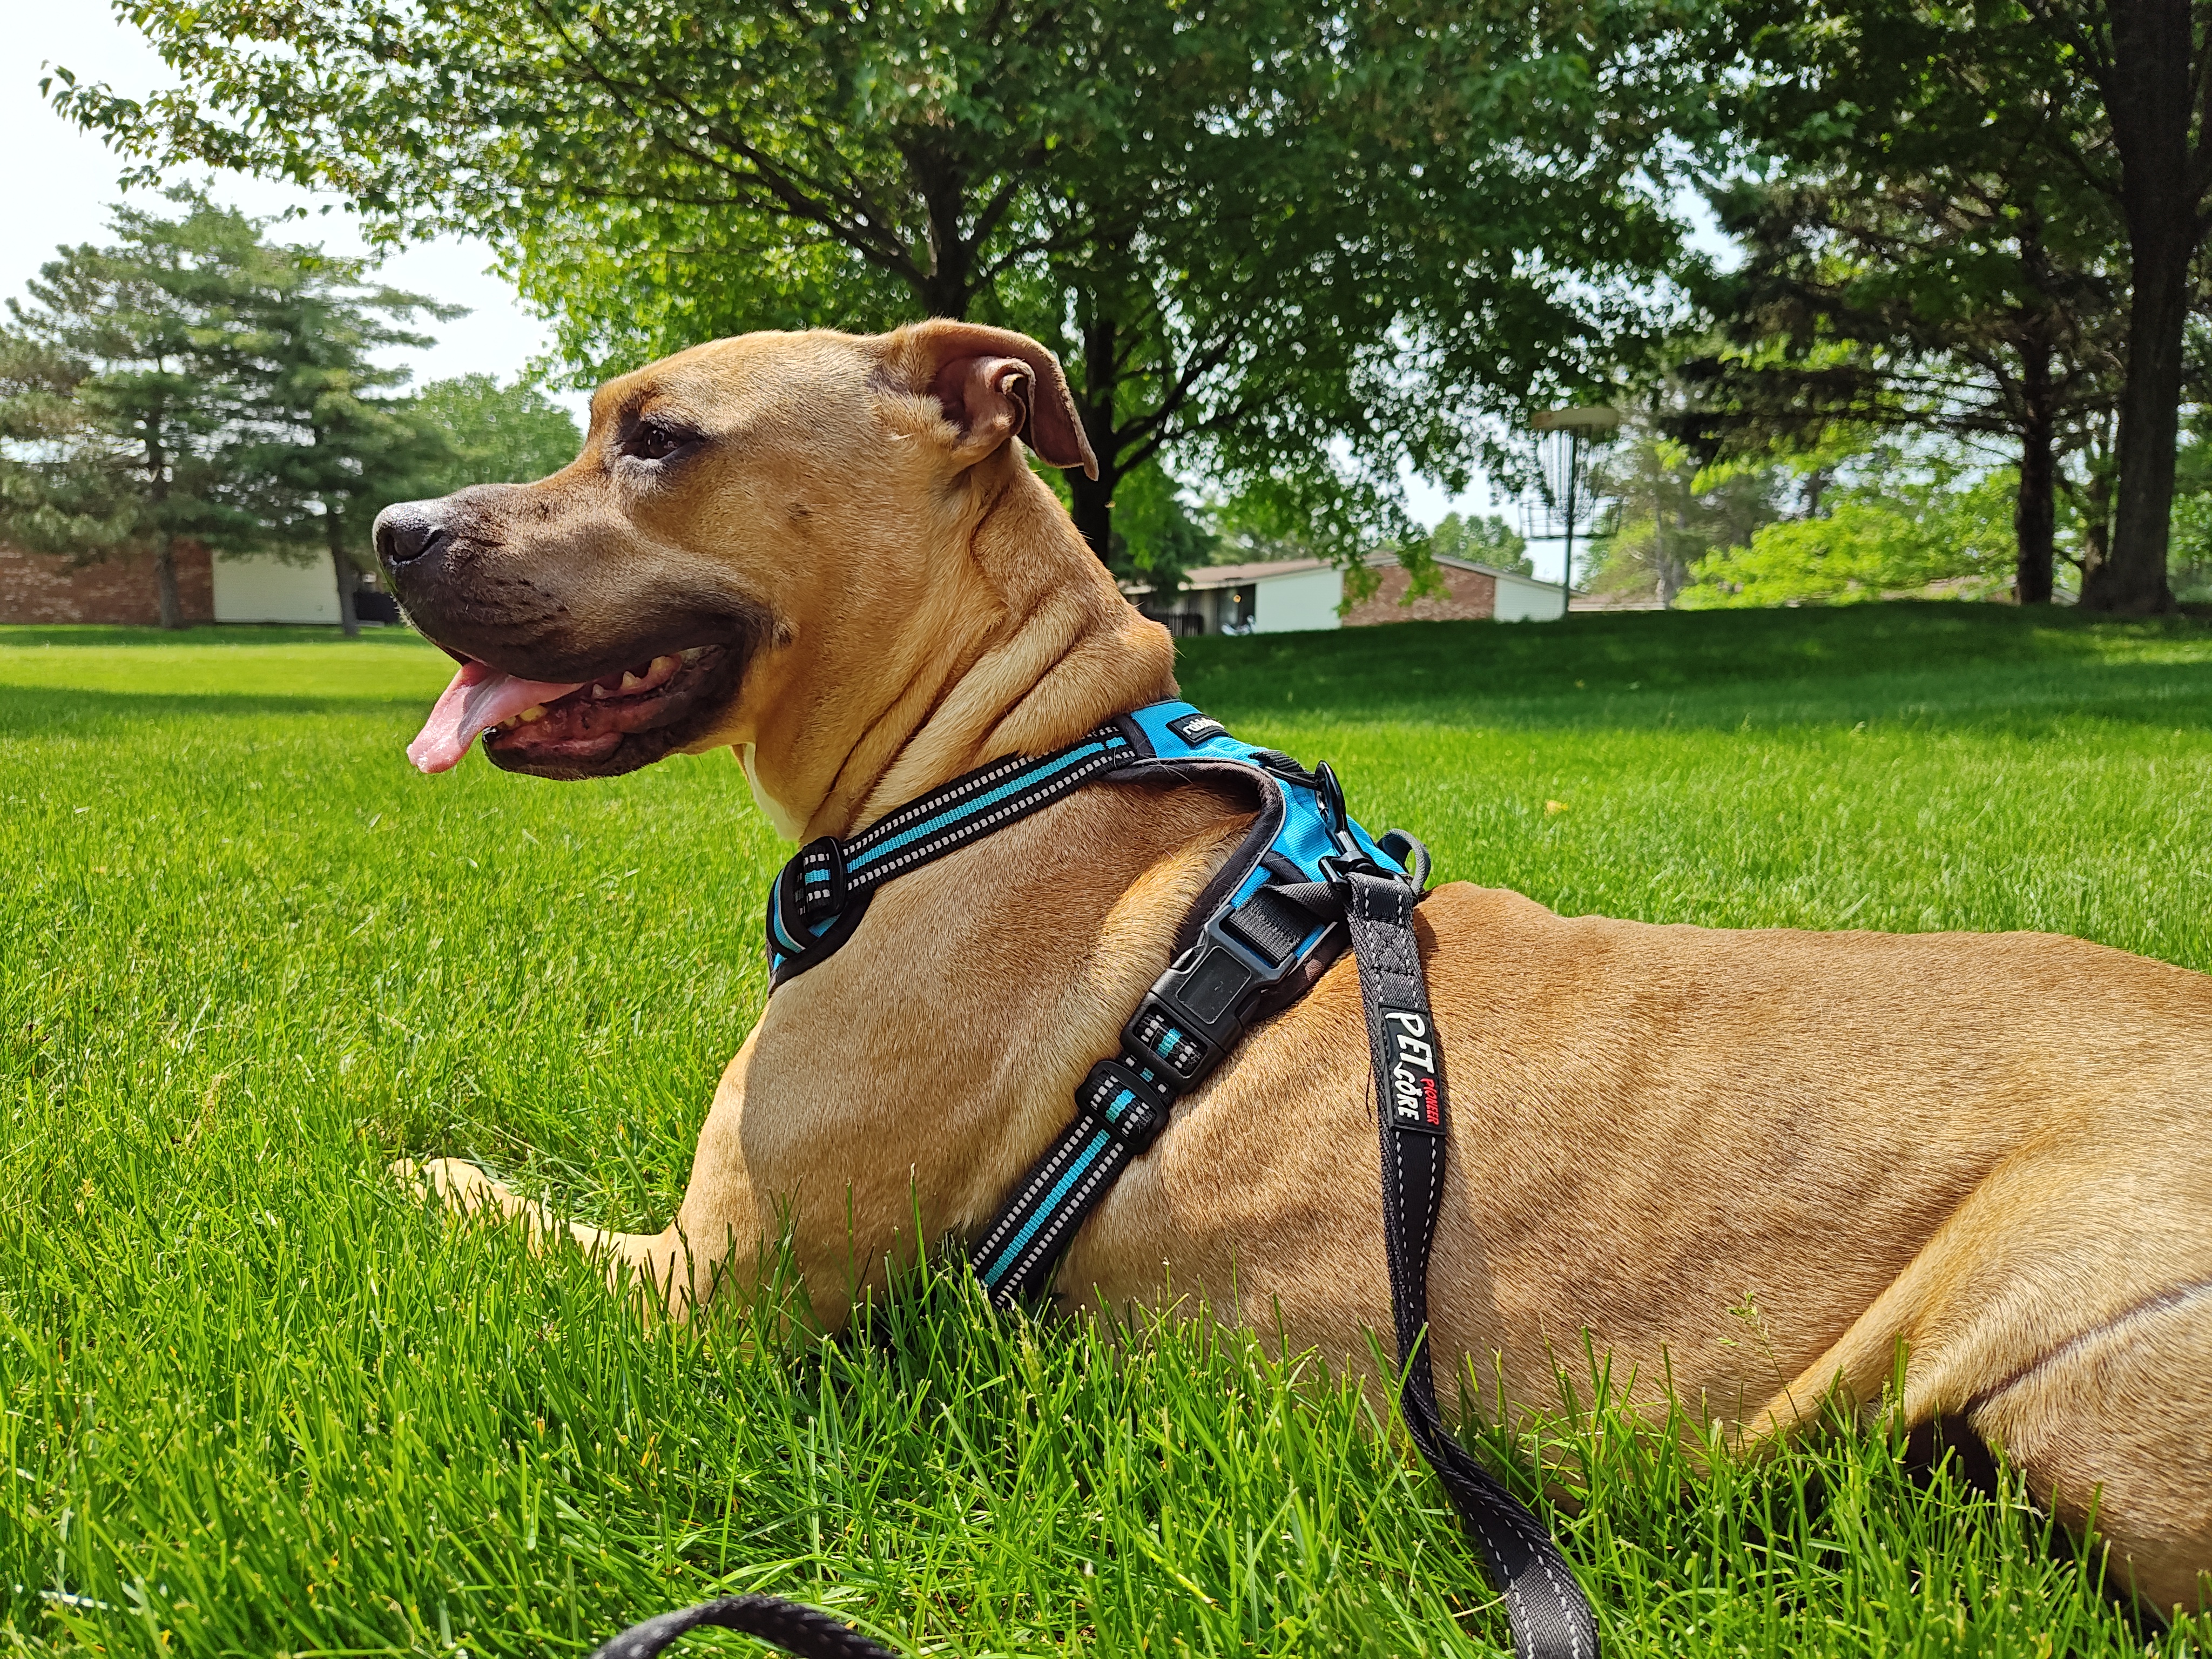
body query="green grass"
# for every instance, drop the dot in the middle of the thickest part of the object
(252, 1402)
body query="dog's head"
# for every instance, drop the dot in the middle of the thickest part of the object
(743, 513)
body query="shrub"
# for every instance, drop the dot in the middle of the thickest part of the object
(1888, 536)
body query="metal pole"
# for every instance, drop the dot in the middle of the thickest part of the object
(1567, 569)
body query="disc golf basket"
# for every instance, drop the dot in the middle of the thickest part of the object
(1565, 502)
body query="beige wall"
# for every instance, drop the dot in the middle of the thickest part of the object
(262, 589)
(1304, 600)
(1524, 599)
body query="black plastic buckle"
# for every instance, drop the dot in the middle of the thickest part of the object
(1202, 998)
(1129, 1105)
(815, 899)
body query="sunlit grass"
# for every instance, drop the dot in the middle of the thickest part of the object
(256, 1403)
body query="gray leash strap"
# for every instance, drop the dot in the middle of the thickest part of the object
(1551, 1617)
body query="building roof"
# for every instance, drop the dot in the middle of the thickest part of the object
(1205, 578)
(1237, 575)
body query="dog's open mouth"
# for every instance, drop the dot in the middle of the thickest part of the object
(593, 728)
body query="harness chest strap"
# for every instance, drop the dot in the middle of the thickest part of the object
(821, 895)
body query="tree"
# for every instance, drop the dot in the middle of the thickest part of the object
(1481, 538)
(2150, 64)
(1651, 482)
(1232, 221)
(1964, 167)
(1156, 537)
(2192, 513)
(1668, 510)
(495, 433)
(1895, 523)
(1953, 303)
(1917, 256)
(331, 446)
(119, 412)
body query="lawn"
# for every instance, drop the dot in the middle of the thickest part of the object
(255, 1401)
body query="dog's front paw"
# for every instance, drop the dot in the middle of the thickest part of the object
(460, 1186)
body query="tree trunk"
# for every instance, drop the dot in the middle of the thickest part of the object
(2034, 512)
(2147, 97)
(164, 539)
(349, 579)
(944, 288)
(1093, 498)
(165, 580)
(1093, 508)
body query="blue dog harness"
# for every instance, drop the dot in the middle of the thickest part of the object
(1304, 883)
(1253, 943)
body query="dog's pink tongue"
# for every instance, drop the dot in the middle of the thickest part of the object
(479, 698)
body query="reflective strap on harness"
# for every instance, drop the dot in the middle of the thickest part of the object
(1190, 1018)
(1306, 880)
(830, 879)
(1181, 1029)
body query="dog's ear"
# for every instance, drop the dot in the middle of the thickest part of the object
(993, 384)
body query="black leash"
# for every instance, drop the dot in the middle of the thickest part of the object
(1551, 1617)
(807, 1632)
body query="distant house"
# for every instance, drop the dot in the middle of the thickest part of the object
(42, 587)
(1290, 594)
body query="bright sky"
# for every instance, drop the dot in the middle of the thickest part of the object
(61, 182)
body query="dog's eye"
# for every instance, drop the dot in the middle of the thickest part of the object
(656, 441)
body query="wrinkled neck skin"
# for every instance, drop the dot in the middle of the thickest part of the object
(992, 630)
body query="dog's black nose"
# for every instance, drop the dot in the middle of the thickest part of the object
(407, 533)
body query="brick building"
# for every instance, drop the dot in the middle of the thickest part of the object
(44, 587)
(41, 588)
(1470, 594)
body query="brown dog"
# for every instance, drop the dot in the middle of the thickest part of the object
(829, 553)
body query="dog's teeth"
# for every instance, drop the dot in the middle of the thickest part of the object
(693, 653)
(599, 690)
(630, 680)
(535, 712)
(661, 665)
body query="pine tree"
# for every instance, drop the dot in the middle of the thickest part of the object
(332, 444)
(119, 383)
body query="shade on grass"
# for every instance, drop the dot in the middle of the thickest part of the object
(252, 1402)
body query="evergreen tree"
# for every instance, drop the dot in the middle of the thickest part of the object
(120, 383)
(333, 445)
